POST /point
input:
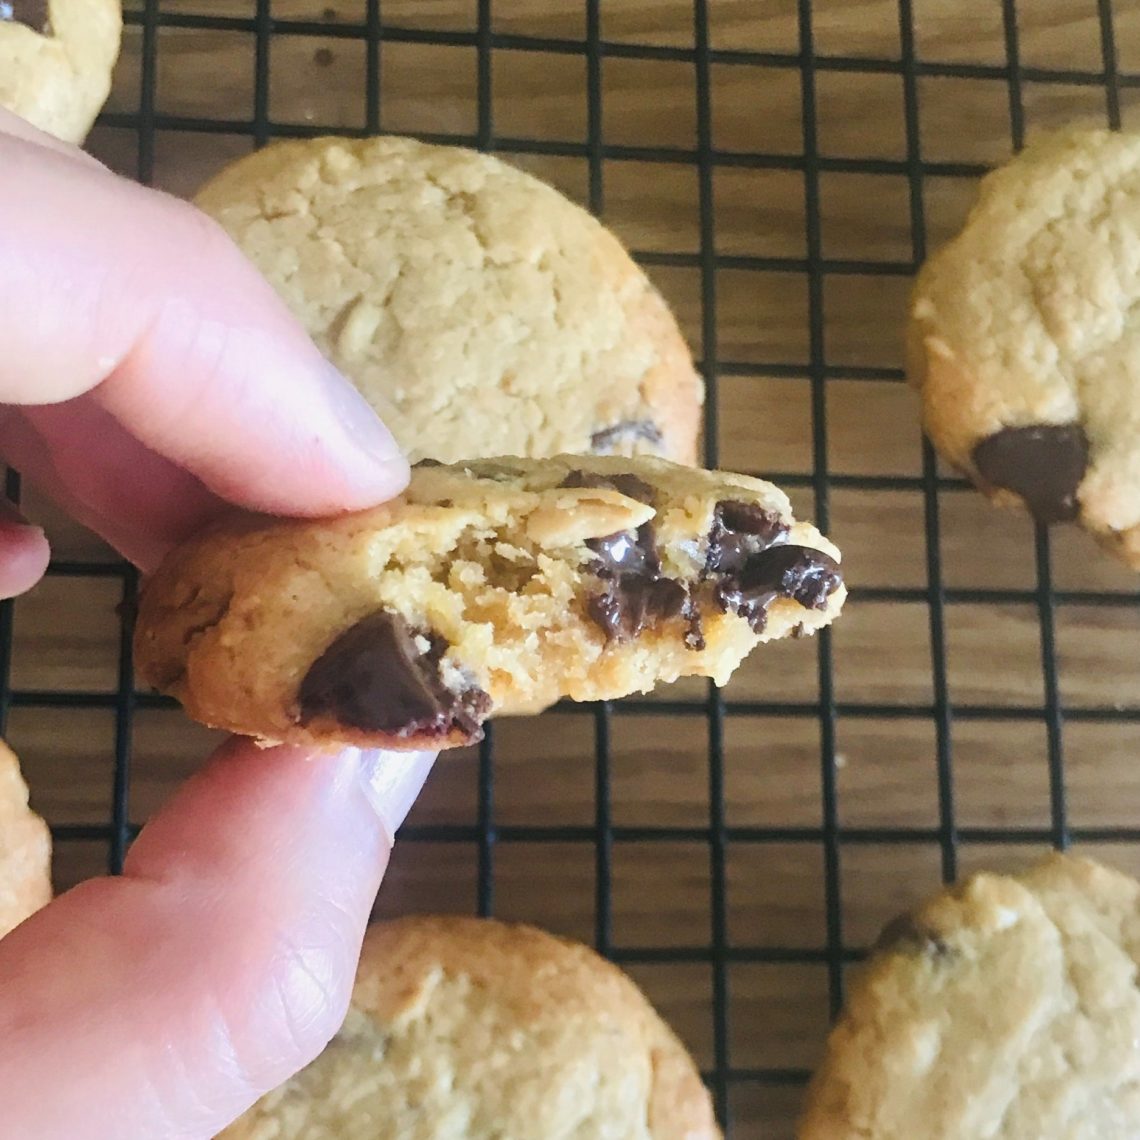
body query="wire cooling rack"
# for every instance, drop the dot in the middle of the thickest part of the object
(780, 168)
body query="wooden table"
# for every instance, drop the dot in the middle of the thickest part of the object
(793, 301)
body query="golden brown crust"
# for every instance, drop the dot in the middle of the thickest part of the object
(670, 386)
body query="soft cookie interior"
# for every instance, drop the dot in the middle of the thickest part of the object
(499, 586)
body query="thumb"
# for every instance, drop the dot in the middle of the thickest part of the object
(219, 964)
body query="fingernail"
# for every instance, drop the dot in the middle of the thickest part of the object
(360, 420)
(392, 781)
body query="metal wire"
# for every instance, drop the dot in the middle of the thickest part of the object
(831, 837)
(717, 834)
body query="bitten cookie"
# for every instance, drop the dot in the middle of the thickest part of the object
(476, 308)
(493, 586)
(1005, 1008)
(56, 59)
(470, 1029)
(1023, 337)
(25, 849)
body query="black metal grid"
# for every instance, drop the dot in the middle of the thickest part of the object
(816, 371)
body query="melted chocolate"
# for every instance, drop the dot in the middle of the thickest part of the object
(625, 553)
(33, 13)
(808, 576)
(627, 431)
(375, 678)
(622, 553)
(739, 531)
(904, 934)
(634, 594)
(748, 565)
(632, 603)
(1044, 464)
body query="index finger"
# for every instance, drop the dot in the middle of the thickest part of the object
(143, 305)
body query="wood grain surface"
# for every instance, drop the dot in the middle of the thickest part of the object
(545, 775)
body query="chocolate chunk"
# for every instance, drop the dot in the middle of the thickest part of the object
(905, 935)
(427, 463)
(631, 603)
(740, 530)
(808, 576)
(619, 553)
(624, 483)
(625, 553)
(634, 596)
(1044, 464)
(374, 677)
(33, 13)
(627, 431)
(751, 518)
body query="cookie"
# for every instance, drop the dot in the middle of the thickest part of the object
(56, 59)
(493, 586)
(1023, 341)
(476, 308)
(471, 1029)
(25, 849)
(1006, 1008)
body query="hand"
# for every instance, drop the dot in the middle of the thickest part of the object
(147, 377)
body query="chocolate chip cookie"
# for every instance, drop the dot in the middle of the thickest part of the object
(1023, 340)
(1007, 1007)
(492, 586)
(470, 1029)
(25, 849)
(476, 308)
(56, 59)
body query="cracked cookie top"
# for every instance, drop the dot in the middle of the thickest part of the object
(480, 311)
(1024, 339)
(1006, 1007)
